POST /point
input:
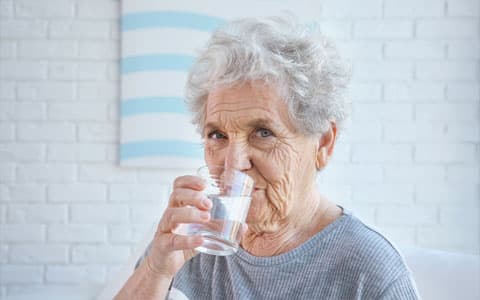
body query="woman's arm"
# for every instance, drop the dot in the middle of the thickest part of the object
(145, 284)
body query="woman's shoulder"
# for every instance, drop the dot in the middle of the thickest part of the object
(363, 247)
(364, 255)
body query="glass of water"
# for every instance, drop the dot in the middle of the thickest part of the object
(230, 192)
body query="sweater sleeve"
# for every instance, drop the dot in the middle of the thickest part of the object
(403, 288)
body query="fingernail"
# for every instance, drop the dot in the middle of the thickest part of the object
(205, 215)
(198, 240)
(207, 202)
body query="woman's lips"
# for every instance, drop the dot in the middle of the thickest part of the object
(258, 192)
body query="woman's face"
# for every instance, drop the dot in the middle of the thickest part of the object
(247, 127)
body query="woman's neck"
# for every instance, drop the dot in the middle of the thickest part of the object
(293, 231)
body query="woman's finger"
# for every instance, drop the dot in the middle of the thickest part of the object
(185, 196)
(172, 242)
(176, 215)
(190, 181)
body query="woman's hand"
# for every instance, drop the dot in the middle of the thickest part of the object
(187, 204)
(169, 251)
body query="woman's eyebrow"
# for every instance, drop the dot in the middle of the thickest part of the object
(262, 123)
(255, 123)
(209, 125)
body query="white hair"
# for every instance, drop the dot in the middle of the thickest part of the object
(304, 66)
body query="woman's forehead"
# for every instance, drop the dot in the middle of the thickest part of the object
(245, 96)
(256, 90)
(246, 102)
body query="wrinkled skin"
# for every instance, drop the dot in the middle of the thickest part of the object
(247, 127)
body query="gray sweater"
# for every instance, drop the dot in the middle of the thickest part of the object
(346, 260)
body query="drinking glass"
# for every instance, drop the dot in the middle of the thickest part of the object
(230, 192)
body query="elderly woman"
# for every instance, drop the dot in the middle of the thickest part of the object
(267, 98)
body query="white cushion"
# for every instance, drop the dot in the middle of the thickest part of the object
(443, 275)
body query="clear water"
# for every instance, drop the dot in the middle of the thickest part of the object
(223, 233)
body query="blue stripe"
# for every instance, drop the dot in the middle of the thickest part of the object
(161, 148)
(177, 19)
(154, 62)
(137, 106)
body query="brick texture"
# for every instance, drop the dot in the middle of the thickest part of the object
(407, 162)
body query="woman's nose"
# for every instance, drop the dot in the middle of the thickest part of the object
(237, 156)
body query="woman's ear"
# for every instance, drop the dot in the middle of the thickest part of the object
(326, 146)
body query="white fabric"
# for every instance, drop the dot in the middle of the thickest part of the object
(444, 275)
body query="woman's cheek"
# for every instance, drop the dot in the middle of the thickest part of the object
(272, 163)
(252, 216)
(214, 155)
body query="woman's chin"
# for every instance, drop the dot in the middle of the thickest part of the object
(258, 224)
(257, 214)
(252, 219)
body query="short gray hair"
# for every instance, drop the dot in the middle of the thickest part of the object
(304, 65)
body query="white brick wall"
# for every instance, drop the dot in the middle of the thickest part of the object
(48, 254)
(71, 274)
(35, 9)
(464, 8)
(23, 274)
(408, 162)
(100, 254)
(448, 28)
(99, 213)
(383, 28)
(22, 232)
(414, 8)
(22, 28)
(76, 233)
(37, 213)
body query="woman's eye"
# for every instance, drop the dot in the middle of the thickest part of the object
(264, 133)
(216, 135)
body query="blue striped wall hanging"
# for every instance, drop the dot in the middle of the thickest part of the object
(159, 40)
